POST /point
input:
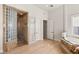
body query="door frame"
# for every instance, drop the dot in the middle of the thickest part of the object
(43, 29)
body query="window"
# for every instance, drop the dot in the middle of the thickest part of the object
(75, 25)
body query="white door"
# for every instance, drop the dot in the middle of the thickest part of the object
(50, 28)
(37, 31)
(32, 29)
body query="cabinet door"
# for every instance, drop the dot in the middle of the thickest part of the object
(50, 28)
(37, 29)
(32, 29)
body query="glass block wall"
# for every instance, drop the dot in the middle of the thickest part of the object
(10, 23)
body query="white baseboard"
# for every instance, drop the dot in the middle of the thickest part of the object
(55, 39)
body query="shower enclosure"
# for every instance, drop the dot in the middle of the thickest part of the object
(10, 27)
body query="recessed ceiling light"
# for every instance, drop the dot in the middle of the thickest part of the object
(51, 5)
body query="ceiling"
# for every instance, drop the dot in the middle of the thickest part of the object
(48, 7)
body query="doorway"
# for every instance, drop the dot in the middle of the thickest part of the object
(44, 29)
(21, 28)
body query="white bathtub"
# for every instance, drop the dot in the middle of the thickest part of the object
(72, 40)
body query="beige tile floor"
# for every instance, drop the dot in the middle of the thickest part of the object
(40, 47)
